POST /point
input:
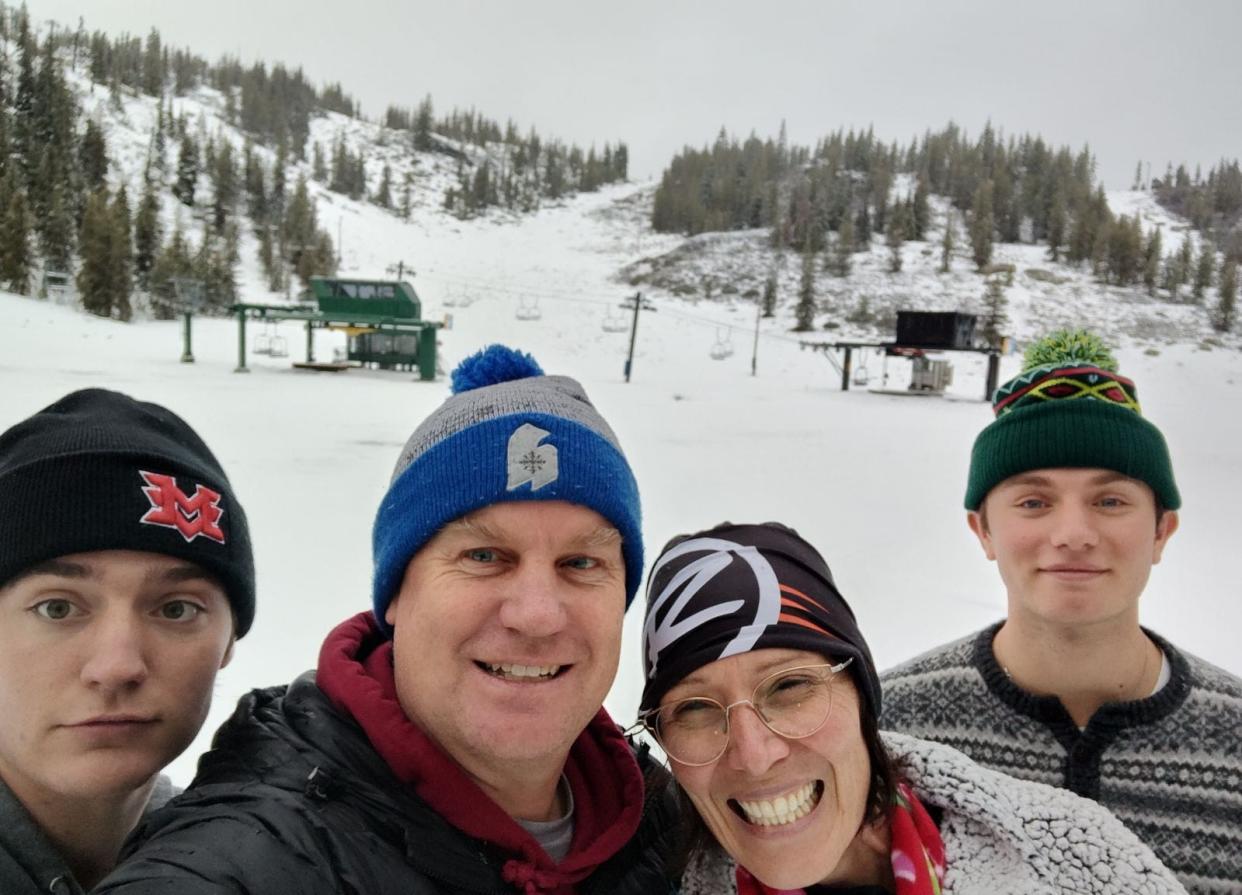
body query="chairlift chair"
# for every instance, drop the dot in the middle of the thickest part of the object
(263, 341)
(861, 376)
(723, 347)
(279, 347)
(613, 324)
(528, 311)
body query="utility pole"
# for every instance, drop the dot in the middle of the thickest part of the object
(754, 354)
(639, 305)
(399, 269)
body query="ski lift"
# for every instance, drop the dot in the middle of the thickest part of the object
(861, 376)
(723, 347)
(613, 324)
(278, 347)
(528, 311)
(263, 340)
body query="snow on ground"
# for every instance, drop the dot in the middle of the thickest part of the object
(875, 481)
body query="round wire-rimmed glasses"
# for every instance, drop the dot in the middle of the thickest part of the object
(793, 703)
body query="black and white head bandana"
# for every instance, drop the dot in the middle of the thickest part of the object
(735, 588)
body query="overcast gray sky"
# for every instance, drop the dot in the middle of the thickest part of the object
(1136, 79)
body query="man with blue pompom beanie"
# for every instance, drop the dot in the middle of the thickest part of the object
(452, 738)
(1071, 493)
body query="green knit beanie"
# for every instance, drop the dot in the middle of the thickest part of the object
(1069, 408)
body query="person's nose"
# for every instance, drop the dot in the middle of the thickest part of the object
(753, 748)
(117, 654)
(1074, 527)
(534, 604)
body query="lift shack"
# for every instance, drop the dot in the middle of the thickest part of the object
(917, 333)
(382, 321)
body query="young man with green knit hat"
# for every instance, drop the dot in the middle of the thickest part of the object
(1071, 493)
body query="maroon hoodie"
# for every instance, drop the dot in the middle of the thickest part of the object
(356, 673)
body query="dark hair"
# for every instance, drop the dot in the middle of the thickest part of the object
(696, 838)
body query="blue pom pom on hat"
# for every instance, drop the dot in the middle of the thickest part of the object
(492, 365)
(509, 432)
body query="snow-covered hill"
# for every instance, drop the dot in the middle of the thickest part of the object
(874, 480)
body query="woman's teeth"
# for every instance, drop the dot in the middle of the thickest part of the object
(783, 809)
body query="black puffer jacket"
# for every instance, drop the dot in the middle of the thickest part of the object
(293, 799)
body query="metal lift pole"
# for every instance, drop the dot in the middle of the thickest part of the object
(629, 360)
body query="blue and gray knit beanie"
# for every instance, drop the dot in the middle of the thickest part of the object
(507, 433)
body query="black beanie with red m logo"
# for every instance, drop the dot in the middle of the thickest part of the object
(98, 470)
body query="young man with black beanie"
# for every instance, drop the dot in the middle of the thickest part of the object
(1071, 493)
(125, 576)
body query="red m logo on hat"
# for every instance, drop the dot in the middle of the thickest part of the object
(172, 508)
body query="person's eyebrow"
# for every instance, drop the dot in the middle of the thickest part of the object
(179, 574)
(1109, 477)
(1026, 480)
(470, 527)
(58, 567)
(604, 536)
(695, 679)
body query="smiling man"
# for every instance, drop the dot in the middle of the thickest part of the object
(1071, 493)
(452, 737)
(125, 575)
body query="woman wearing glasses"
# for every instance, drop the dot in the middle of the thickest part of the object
(762, 692)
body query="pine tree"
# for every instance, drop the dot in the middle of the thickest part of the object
(272, 267)
(159, 140)
(319, 168)
(1227, 295)
(97, 277)
(173, 260)
(407, 199)
(383, 194)
(895, 236)
(995, 318)
(93, 156)
(224, 186)
(843, 251)
(122, 282)
(805, 310)
(862, 227)
(187, 171)
(153, 66)
(1152, 253)
(56, 230)
(769, 296)
(981, 225)
(423, 123)
(921, 210)
(147, 236)
(1204, 270)
(1056, 227)
(946, 243)
(15, 228)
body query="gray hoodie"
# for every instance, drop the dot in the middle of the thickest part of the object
(28, 863)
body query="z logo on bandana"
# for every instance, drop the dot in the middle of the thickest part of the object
(173, 508)
(762, 604)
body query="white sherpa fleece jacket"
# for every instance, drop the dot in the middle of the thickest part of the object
(1002, 835)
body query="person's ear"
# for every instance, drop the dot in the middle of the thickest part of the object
(979, 526)
(1165, 528)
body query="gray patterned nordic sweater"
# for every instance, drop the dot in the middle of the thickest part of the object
(1169, 766)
